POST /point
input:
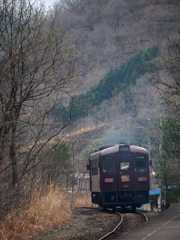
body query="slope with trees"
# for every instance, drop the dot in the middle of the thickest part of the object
(116, 81)
(109, 32)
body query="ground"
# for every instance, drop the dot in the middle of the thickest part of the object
(91, 224)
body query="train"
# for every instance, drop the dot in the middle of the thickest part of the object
(119, 176)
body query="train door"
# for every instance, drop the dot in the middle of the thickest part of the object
(126, 172)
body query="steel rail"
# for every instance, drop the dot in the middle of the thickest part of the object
(143, 214)
(113, 231)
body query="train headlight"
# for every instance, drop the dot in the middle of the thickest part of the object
(142, 179)
(109, 180)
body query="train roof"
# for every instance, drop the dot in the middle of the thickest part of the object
(118, 148)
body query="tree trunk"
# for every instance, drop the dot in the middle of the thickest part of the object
(12, 152)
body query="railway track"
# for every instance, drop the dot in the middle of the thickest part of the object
(116, 227)
(143, 214)
(94, 223)
(114, 232)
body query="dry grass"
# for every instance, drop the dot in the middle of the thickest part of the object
(84, 201)
(86, 129)
(47, 209)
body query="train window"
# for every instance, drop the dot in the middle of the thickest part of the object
(124, 164)
(108, 165)
(141, 163)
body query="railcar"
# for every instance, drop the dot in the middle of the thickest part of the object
(119, 176)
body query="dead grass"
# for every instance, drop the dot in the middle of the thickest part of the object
(86, 129)
(47, 209)
(84, 201)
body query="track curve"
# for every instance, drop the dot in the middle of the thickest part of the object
(116, 227)
(120, 223)
(144, 215)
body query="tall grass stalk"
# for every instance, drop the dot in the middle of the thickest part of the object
(84, 201)
(47, 208)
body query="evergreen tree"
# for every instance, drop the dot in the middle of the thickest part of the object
(116, 80)
(167, 167)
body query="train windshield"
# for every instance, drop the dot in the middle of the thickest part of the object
(141, 163)
(124, 164)
(108, 165)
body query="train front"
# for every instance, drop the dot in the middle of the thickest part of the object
(121, 177)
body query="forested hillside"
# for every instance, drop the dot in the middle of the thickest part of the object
(119, 80)
(123, 93)
(109, 32)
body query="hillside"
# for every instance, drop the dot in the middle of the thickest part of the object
(109, 32)
(118, 81)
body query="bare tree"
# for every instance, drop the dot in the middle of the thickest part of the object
(167, 77)
(70, 4)
(167, 81)
(37, 66)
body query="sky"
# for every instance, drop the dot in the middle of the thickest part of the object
(49, 2)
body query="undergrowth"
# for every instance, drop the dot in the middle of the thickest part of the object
(47, 209)
(84, 201)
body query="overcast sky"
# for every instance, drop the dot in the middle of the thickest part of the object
(49, 2)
